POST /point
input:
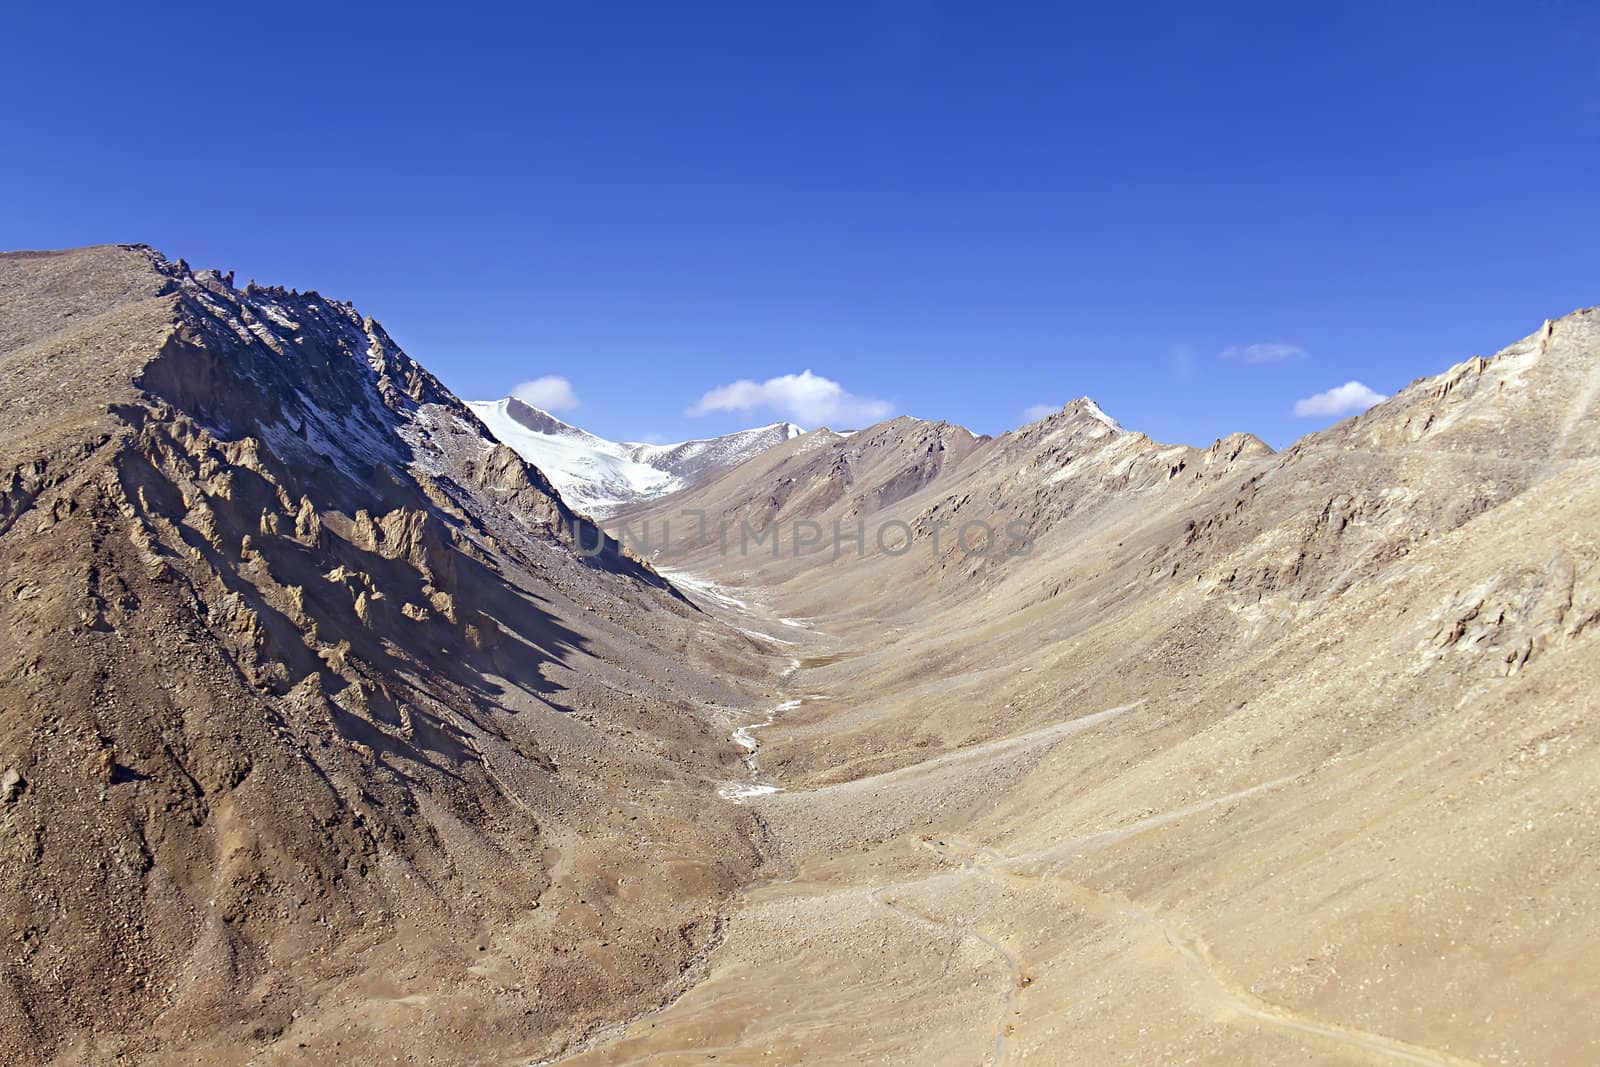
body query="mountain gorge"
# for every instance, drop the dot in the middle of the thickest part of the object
(336, 730)
(1233, 756)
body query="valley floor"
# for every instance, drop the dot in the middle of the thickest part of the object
(914, 918)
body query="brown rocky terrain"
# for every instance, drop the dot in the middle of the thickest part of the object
(319, 739)
(325, 741)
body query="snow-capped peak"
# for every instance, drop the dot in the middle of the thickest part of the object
(597, 475)
(1094, 411)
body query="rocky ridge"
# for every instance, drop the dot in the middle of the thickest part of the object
(307, 682)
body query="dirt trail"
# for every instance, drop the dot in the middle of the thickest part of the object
(972, 754)
(1005, 1027)
(1055, 856)
(1192, 952)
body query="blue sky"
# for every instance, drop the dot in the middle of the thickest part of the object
(954, 211)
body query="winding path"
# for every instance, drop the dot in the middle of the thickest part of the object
(1013, 968)
(1192, 952)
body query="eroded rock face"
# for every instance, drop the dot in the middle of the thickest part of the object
(302, 689)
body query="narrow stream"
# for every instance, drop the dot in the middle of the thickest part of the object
(745, 738)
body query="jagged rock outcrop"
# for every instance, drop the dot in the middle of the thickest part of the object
(307, 683)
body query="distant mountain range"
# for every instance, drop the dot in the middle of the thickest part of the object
(598, 476)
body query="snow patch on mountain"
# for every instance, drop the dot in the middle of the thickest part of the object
(1094, 411)
(597, 475)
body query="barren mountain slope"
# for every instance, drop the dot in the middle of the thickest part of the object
(819, 478)
(924, 501)
(318, 737)
(1252, 758)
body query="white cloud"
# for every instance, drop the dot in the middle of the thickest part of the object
(807, 398)
(1182, 363)
(1038, 411)
(1347, 399)
(1264, 352)
(552, 393)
